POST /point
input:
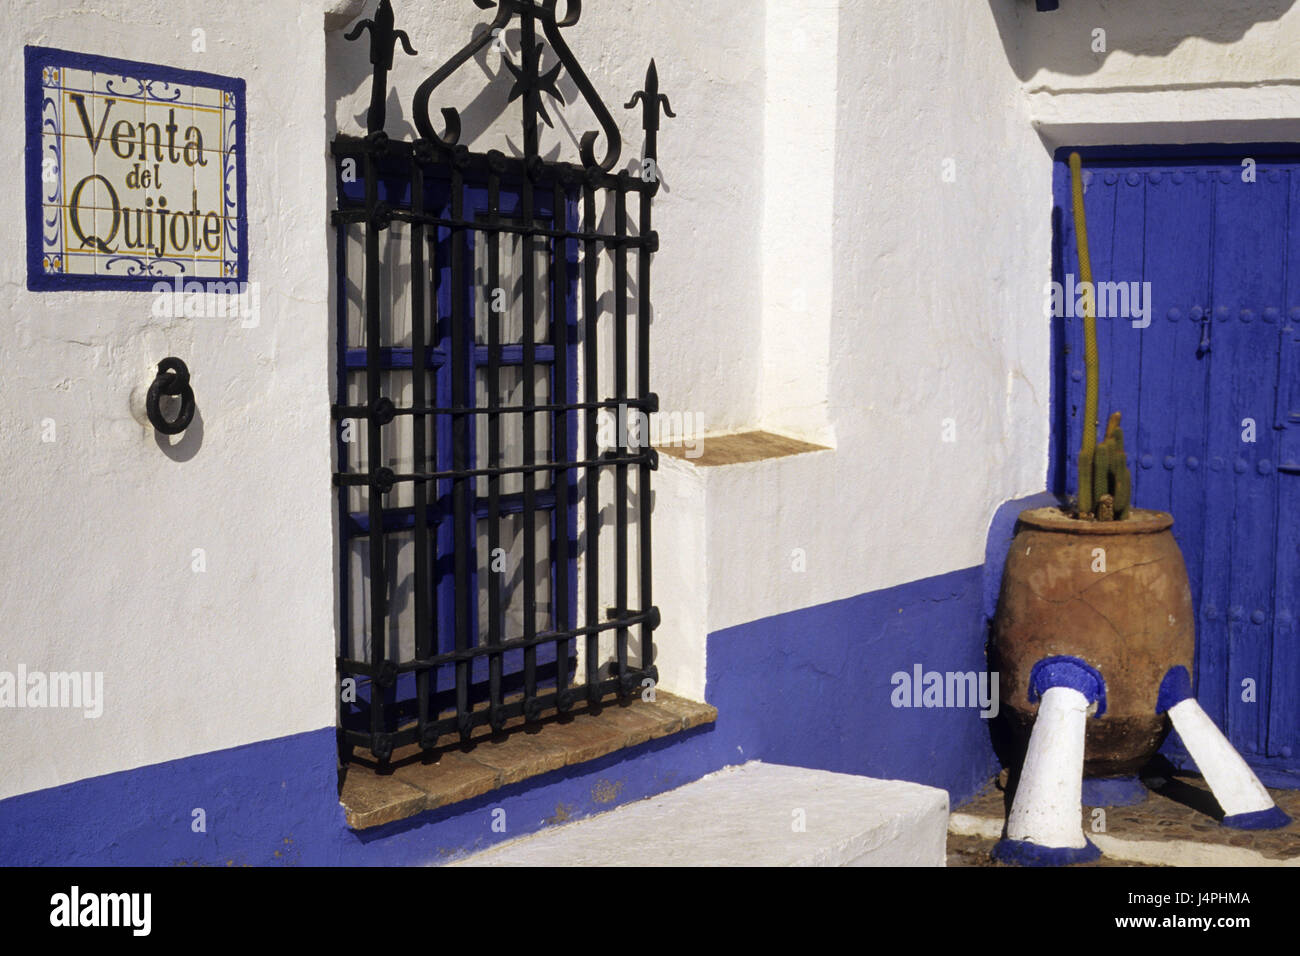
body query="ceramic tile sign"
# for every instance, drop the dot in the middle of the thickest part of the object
(135, 174)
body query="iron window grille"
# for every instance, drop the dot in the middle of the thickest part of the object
(467, 332)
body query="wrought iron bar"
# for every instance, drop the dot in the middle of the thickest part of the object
(344, 461)
(359, 214)
(560, 482)
(494, 448)
(620, 391)
(383, 44)
(591, 473)
(386, 477)
(478, 718)
(475, 164)
(374, 458)
(650, 404)
(530, 83)
(530, 417)
(420, 532)
(460, 392)
(651, 101)
(630, 619)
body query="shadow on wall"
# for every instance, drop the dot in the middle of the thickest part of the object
(349, 73)
(1061, 41)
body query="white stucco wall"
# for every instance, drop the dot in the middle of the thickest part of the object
(936, 286)
(923, 304)
(818, 277)
(244, 651)
(1157, 71)
(799, 195)
(708, 303)
(100, 525)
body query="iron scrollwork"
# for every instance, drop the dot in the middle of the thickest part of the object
(530, 82)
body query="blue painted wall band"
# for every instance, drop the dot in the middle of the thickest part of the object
(275, 803)
(808, 688)
(1002, 530)
(811, 688)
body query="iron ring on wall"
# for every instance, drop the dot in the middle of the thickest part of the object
(173, 379)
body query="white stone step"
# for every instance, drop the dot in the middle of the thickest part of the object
(757, 814)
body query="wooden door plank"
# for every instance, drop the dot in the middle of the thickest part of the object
(1249, 272)
(1168, 459)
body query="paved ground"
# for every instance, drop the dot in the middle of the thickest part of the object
(1181, 808)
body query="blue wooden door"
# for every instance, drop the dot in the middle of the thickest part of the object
(1199, 340)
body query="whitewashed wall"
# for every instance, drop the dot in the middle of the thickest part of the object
(708, 303)
(1158, 70)
(860, 312)
(938, 286)
(903, 298)
(100, 526)
(935, 284)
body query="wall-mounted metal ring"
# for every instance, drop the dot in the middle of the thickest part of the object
(173, 379)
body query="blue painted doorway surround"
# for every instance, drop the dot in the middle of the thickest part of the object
(1200, 352)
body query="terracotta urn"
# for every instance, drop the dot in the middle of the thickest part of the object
(1116, 595)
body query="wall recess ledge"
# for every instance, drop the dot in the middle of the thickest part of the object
(741, 448)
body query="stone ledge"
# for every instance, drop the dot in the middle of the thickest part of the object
(753, 815)
(741, 449)
(448, 775)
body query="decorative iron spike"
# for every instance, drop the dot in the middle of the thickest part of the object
(651, 99)
(383, 45)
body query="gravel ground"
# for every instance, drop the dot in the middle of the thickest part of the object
(1180, 807)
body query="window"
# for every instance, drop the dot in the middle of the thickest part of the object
(466, 449)
(521, 517)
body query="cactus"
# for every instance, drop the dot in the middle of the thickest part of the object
(1105, 485)
(1110, 474)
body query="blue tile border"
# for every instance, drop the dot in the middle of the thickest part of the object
(36, 60)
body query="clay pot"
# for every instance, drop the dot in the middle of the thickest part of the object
(1132, 622)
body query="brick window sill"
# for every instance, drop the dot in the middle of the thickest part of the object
(455, 773)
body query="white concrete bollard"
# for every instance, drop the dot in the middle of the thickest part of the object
(1048, 802)
(1045, 825)
(1246, 804)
